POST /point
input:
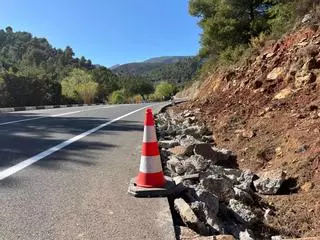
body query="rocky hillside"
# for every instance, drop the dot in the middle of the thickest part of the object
(267, 111)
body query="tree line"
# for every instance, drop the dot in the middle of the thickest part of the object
(32, 72)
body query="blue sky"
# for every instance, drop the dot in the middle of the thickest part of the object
(108, 31)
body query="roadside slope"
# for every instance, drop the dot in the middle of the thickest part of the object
(268, 112)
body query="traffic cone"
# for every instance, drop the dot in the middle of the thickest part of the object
(151, 181)
(150, 173)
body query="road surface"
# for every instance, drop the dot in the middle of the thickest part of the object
(64, 174)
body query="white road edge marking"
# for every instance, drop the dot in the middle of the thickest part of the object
(18, 167)
(50, 116)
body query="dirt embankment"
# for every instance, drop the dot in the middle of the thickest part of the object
(268, 113)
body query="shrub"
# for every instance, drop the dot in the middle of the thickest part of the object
(165, 90)
(232, 54)
(117, 97)
(137, 99)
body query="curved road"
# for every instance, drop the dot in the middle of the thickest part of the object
(64, 174)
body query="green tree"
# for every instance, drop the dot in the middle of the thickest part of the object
(227, 23)
(165, 90)
(108, 82)
(79, 86)
(139, 86)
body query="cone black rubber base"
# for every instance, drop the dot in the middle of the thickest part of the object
(169, 189)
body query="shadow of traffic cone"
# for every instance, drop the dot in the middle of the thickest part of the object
(150, 181)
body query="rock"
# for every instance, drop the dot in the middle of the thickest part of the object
(199, 162)
(224, 157)
(310, 64)
(219, 186)
(188, 121)
(246, 235)
(188, 234)
(276, 73)
(284, 93)
(207, 139)
(224, 237)
(268, 213)
(243, 196)
(175, 166)
(210, 199)
(276, 238)
(306, 187)
(243, 212)
(279, 152)
(196, 131)
(245, 181)
(231, 174)
(269, 181)
(306, 18)
(189, 143)
(205, 150)
(202, 210)
(187, 113)
(302, 78)
(267, 153)
(188, 216)
(178, 150)
(168, 143)
(302, 149)
(248, 134)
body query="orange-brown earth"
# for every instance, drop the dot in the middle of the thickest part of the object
(268, 112)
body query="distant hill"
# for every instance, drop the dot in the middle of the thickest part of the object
(167, 60)
(176, 69)
(114, 66)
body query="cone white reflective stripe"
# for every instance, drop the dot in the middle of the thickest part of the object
(150, 164)
(149, 134)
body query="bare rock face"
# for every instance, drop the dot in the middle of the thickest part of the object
(242, 212)
(189, 217)
(270, 181)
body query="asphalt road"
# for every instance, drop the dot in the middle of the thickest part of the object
(64, 174)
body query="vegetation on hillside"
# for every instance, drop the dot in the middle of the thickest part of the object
(32, 72)
(231, 27)
(176, 70)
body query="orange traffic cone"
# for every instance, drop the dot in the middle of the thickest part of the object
(150, 174)
(151, 181)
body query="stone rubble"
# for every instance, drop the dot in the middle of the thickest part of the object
(218, 199)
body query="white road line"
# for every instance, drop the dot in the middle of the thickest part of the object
(50, 116)
(18, 167)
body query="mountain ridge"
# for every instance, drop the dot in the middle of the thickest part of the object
(161, 59)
